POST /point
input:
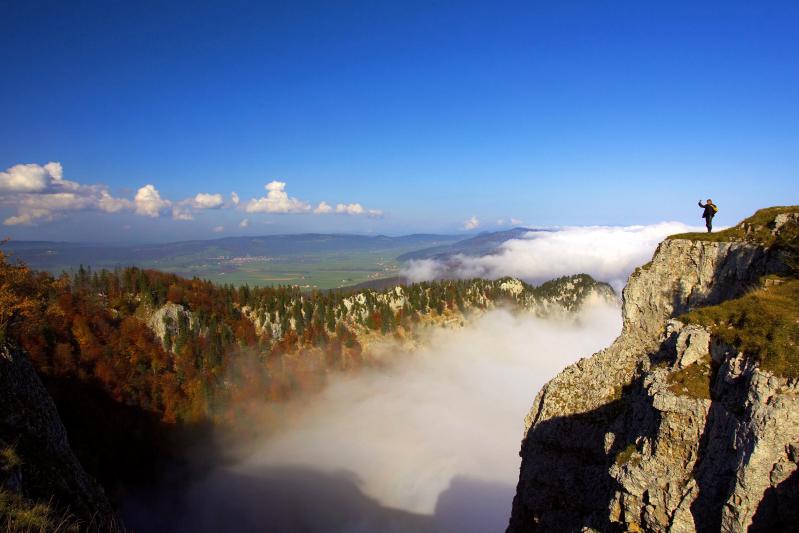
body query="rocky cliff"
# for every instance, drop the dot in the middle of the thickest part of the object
(688, 424)
(42, 483)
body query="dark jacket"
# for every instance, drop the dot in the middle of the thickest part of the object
(709, 211)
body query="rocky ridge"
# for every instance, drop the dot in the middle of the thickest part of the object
(37, 462)
(669, 429)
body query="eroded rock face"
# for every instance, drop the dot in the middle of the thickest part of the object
(629, 438)
(167, 320)
(48, 470)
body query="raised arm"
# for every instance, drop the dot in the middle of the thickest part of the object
(701, 204)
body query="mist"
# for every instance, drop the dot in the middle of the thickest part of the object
(429, 442)
(608, 253)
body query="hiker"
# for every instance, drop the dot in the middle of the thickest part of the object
(710, 211)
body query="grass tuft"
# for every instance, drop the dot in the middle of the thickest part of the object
(757, 228)
(763, 324)
(626, 456)
(694, 380)
(19, 514)
(9, 458)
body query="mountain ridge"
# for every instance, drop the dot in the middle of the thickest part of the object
(673, 427)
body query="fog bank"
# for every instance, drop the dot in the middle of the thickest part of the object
(429, 443)
(608, 253)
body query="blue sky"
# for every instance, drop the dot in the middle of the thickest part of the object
(551, 113)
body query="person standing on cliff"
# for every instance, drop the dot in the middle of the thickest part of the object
(710, 211)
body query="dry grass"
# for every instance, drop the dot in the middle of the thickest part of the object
(626, 456)
(759, 228)
(763, 324)
(20, 515)
(9, 459)
(694, 380)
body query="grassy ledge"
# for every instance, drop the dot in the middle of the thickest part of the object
(763, 324)
(757, 228)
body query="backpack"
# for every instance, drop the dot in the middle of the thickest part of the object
(715, 209)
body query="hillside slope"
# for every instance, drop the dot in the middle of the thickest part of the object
(689, 421)
(130, 369)
(36, 461)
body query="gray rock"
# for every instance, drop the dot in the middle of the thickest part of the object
(49, 470)
(628, 439)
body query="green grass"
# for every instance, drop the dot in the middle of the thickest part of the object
(322, 270)
(756, 228)
(626, 456)
(694, 380)
(763, 324)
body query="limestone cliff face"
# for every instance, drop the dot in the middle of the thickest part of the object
(624, 441)
(166, 321)
(46, 470)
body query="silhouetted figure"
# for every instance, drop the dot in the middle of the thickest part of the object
(710, 211)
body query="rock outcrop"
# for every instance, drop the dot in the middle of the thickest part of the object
(166, 322)
(43, 468)
(668, 429)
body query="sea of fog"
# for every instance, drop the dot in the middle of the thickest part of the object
(428, 443)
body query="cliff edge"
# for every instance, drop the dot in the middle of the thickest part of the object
(43, 487)
(689, 421)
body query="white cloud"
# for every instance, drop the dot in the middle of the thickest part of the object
(350, 209)
(218, 229)
(39, 193)
(29, 178)
(149, 202)
(234, 197)
(471, 223)
(245, 223)
(323, 208)
(182, 211)
(607, 253)
(353, 209)
(207, 201)
(110, 204)
(277, 201)
(515, 221)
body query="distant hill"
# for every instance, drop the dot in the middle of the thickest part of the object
(483, 244)
(378, 284)
(46, 254)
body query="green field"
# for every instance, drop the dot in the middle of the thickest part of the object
(312, 261)
(322, 270)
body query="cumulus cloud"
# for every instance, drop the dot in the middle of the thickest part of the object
(277, 200)
(30, 177)
(40, 193)
(436, 432)
(149, 202)
(207, 201)
(182, 212)
(234, 197)
(607, 253)
(471, 223)
(323, 208)
(353, 209)
(245, 223)
(350, 209)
